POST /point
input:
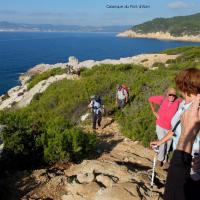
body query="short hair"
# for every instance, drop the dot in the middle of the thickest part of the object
(188, 81)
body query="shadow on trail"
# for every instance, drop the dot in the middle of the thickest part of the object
(133, 166)
(107, 146)
(11, 183)
(158, 183)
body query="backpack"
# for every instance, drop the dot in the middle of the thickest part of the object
(96, 105)
(125, 87)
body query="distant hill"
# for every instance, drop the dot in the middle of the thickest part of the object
(8, 26)
(181, 28)
(176, 26)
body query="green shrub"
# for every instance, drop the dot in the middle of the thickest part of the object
(6, 96)
(176, 26)
(48, 127)
(45, 75)
(158, 64)
(29, 136)
(145, 60)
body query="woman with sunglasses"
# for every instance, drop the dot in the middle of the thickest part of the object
(188, 82)
(168, 106)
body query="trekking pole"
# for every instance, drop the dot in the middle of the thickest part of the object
(156, 150)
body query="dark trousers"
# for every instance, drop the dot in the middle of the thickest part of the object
(121, 103)
(179, 185)
(96, 118)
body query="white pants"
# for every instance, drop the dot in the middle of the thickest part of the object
(164, 148)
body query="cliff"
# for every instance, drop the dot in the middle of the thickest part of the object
(181, 28)
(160, 36)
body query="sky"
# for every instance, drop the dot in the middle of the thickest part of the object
(93, 12)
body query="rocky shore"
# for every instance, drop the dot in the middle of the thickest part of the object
(20, 96)
(160, 36)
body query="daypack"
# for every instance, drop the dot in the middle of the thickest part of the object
(121, 94)
(125, 87)
(96, 106)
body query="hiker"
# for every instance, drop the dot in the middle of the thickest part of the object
(178, 184)
(188, 82)
(121, 97)
(96, 107)
(168, 105)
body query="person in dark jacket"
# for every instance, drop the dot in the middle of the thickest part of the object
(179, 185)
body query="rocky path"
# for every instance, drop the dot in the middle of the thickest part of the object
(120, 169)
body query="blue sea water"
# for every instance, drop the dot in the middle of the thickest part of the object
(21, 51)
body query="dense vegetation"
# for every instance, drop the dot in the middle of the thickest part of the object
(177, 26)
(37, 78)
(48, 128)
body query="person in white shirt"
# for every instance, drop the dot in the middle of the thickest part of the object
(121, 97)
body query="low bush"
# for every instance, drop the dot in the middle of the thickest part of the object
(48, 127)
(45, 75)
(30, 137)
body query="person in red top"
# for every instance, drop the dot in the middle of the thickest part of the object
(168, 105)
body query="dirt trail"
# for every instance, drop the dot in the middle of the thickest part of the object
(120, 169)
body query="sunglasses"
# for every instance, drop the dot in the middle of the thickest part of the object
(171, 95)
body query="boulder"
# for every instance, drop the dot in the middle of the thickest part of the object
(85, 178)
(72, 197)
(105, 180)
(13, 90)
(73, 61)
(100, 167)
(84, 191)
(123, 191)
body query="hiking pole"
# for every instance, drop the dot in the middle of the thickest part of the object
(156, 150)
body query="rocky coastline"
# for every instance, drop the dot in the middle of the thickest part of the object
(20, 96)
(160, 36)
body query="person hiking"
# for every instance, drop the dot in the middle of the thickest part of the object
(188, 82)
(178, 184)
(168, 105)
(96, 107)
(121, 97)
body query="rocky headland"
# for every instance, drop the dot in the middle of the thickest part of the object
(160, 35)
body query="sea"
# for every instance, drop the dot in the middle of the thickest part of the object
(20, 51)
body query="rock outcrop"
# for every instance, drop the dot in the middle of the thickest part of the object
(39, 69)
(160, 36)
(119, 170)
(20, 96)
(147, 60)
